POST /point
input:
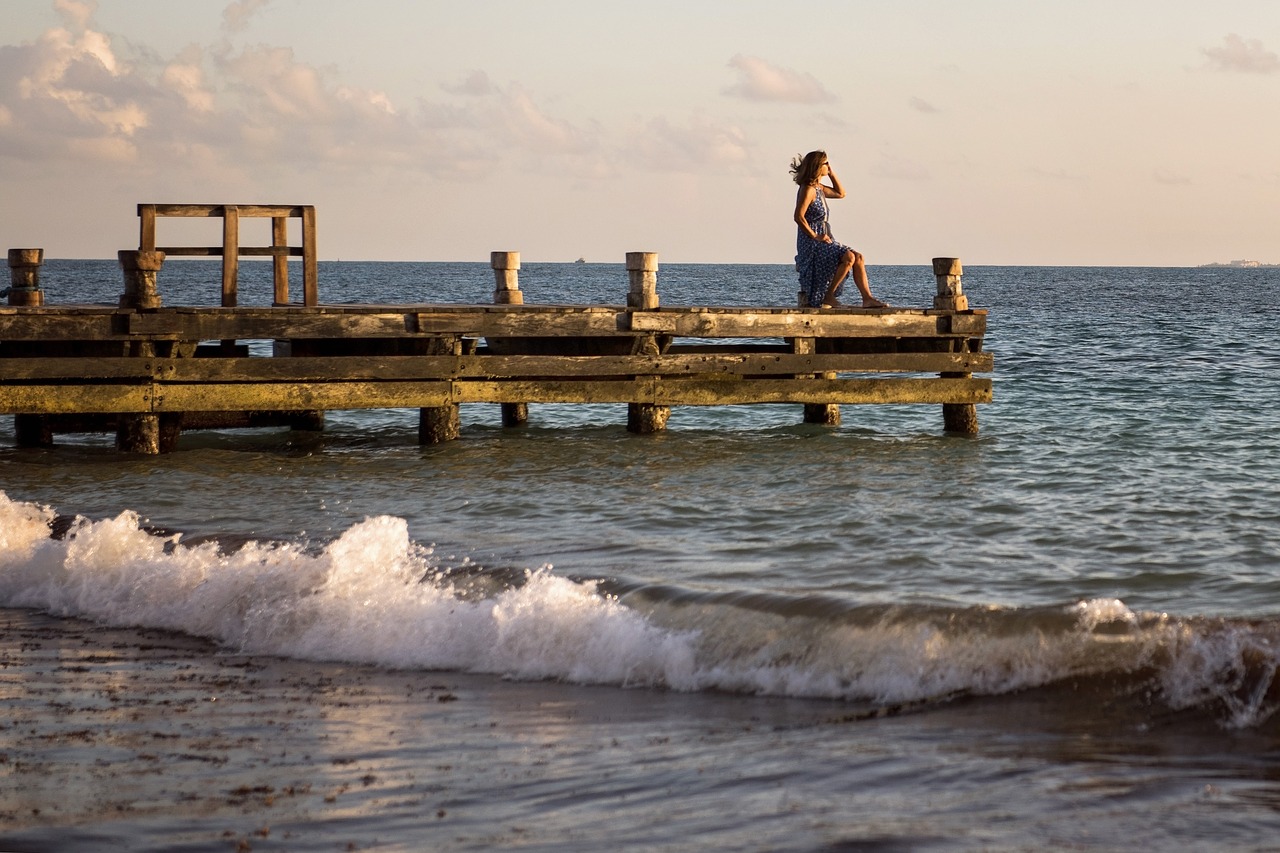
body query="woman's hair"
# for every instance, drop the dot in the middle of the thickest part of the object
(805, 169)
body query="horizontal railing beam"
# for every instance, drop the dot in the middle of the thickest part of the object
(310, 396)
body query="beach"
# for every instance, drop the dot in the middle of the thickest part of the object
(745, 633)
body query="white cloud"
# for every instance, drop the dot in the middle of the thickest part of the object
(77, 13)
(701, 145)
(475, 83)
(1247, 56)
(236, 17)
(759, 80)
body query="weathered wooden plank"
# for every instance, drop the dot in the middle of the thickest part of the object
(215, 210)
(518, 366)
(41, 369)
(73, 399)
(790, 324)
(399, 368)
(299, 396)
(308, 396)
(522, 325)
(244, 251)
(284, 324)
(61, 327)
(720, 392)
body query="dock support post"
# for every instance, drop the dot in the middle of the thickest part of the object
(956, 417)
(642, 272)
(32, 431)
(438, 424)
(24, 277)
(506, 291)
(146, 433)
(140, 268)
(827, 414)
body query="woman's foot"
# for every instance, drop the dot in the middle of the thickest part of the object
(872, 302)
(833, 303)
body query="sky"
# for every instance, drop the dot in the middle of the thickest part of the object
(1124, 132)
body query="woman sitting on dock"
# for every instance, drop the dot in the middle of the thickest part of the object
(821, 262)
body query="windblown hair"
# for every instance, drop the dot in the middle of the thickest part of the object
(805, 169)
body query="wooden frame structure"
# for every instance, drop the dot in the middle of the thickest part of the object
(231, 251)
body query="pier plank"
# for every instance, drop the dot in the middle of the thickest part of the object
(399, 368)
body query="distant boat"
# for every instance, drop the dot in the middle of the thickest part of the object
(580, 261)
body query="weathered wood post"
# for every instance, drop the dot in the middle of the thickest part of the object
(956, 417)
(140, 268)
(24, 277)
(143, 432)
(24, 291)
(642, 271)
(827, 414)
(506, 291)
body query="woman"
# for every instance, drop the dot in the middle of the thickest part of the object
(821, 262)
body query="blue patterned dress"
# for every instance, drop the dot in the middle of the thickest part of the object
(816, 261)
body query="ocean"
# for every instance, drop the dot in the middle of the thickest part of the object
(743, 633)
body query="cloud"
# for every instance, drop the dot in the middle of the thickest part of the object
(236, 17)
(71, 97)
(702, 144)
(1245, 56)
(922, 106)
(78, 14)
(475, 83)
(759, 80)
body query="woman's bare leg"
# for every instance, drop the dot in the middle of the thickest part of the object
(842, 269)
(864, 285)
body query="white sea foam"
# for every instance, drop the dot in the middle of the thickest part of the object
(374, 596)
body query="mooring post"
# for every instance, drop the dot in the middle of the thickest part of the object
(642, 272)
(142, 432)
(140, 268)
(438, 424)
(24, 277)
(956, 417)
(24, 291)
(506, 291)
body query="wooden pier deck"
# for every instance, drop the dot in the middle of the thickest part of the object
(148, 373)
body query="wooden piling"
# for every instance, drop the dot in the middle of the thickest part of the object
(24, 277)
(642, 274)
(827, 414)
(956, 417)
(438, 424)
(140, 268)
(506, 291)
(135, 432)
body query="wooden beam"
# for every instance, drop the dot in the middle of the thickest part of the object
(310, 264)
(230, 254)
(280, 262)
(74, 399)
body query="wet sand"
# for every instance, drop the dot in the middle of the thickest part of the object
(145, 740)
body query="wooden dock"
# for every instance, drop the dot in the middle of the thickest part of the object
(148, 371)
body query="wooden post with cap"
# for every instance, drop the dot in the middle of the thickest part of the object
(956, 417)
(24, 277)
(642, 272)
(506, 291)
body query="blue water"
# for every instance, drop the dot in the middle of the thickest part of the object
(1101, 562)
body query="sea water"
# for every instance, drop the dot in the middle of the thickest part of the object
(876, 634)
